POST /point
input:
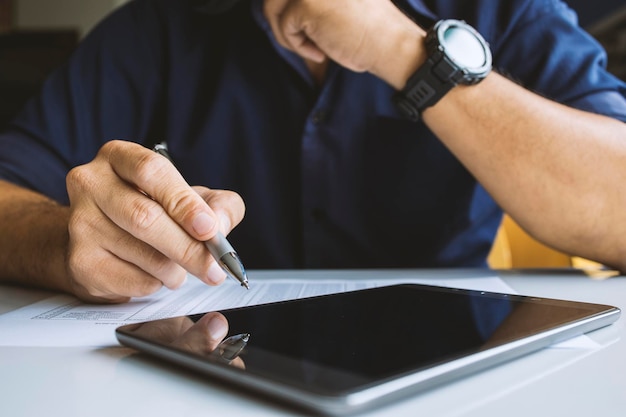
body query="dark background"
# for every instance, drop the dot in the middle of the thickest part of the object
(591, 11)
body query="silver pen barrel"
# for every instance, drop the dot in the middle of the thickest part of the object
(228, 259)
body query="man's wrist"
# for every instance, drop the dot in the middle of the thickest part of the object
(397, 63)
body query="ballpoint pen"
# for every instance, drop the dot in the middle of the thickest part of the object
(232, 346)
(219, 247)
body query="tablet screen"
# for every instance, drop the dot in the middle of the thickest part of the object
(338, 343)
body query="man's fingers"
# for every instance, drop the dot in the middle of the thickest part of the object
(158, 177)
(131, 206)
(108, 261)
(134, 251)
(228, 206)
(109, 278)
(147, 221)
(159, 218)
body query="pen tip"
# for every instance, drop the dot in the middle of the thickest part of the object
(245, 285)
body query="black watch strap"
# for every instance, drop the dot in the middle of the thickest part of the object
(456, 54)
(423, 89)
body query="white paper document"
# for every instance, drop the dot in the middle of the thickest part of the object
(62, 320)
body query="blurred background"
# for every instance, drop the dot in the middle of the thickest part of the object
(37, 36)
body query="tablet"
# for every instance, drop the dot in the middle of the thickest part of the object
(342, 353)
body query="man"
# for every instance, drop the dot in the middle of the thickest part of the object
(289, 104)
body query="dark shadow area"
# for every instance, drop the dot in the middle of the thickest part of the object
(26, 59)
(592, 12)
(611, 33)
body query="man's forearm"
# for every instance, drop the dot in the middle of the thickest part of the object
(34, 239)
(560, 172)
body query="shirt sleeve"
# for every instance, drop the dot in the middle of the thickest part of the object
(542, 47)
(108, 90)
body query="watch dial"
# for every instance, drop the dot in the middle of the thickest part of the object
(463, 47)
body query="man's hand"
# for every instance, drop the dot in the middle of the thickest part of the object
(136, 225)
(361, 35)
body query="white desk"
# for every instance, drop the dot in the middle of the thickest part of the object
(36, 381)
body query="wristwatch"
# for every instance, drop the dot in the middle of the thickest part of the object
(456, 54)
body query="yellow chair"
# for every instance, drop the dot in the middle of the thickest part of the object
(514, 248)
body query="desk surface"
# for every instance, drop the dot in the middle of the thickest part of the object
(75, 381)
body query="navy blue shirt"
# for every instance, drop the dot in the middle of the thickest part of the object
(332, 177)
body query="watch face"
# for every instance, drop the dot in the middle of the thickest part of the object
(463, 46)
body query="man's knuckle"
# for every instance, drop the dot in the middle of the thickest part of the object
(182, 204)
(159, 264)
(110, 147)
(144, 213)
(189, 253)
(149, 166)
(79, 179)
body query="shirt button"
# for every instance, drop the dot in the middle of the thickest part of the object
(319, 116)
